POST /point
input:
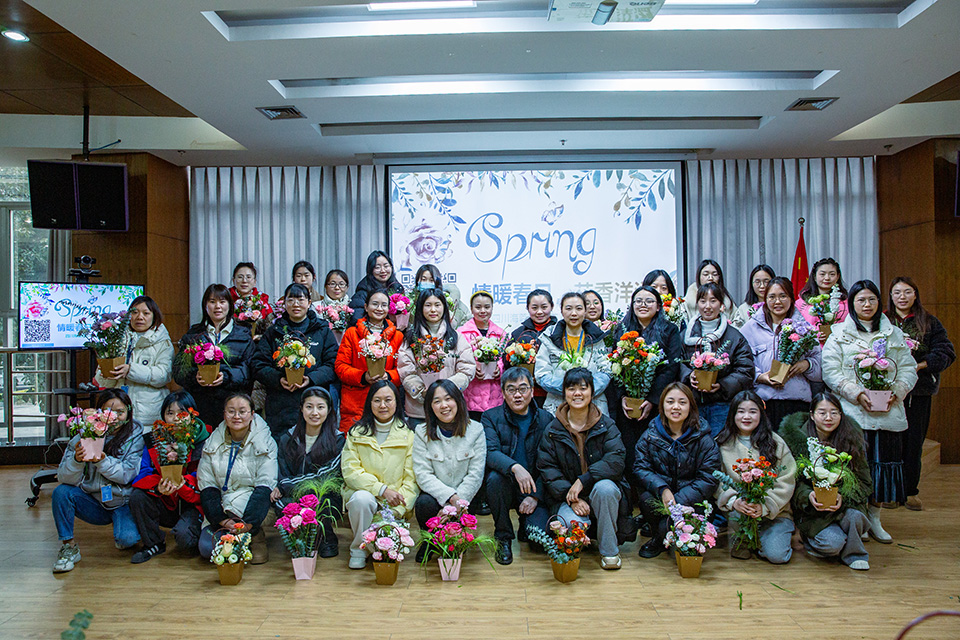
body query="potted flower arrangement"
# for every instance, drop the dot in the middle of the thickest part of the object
(429, 354)
(450, 534)
(521, 354)
(92, 425)
(293, 355)
(400, 310)
(754, 480)
(337, 316)
(673, 309)
(707, 364)
(207, 356)
(231, 552)
(376, 349)
(174, 441)
(106, 335)
(250, 308)
(634, 363)
(301, 527)
(608, 324)
(388, 541)
(488, 351)
(690, 535)
(876, 373)
(563, 543)
(825, 308)
(827, 469)
(794, 341)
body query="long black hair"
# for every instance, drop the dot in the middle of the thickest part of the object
(630, 320)
(216, 292)
(325, 447)
(420, 322)
(434, 273)
(857, 287)
(921, 317)
(761, 437)
(124, 430)
(845, 437)
(371, 265)
(366, 425)
(460, 421)
(787, 287)
(603, 307)
(651, 277)
(812, 289)
(720, 283)
(752, 297)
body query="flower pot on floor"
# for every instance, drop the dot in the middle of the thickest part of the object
(689, 566)
(567, 571)
(386, 572)
(303, 568)
(450, 568)
(230, 574)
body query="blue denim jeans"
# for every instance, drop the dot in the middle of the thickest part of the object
(71, 502)
(716, 416)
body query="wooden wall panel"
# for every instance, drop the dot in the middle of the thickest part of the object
(907, 251)
(905, 188)
(168, 200)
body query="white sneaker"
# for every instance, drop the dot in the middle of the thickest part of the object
(357, 561)
(610, 563)
(860, 565)
(68, 557)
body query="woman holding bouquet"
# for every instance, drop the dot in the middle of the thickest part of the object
(449, 453)
(824, 275)
(377, 465)
(766, 332)
(310, 453)
(96, 489)
(219, 329)
(933, 352)
(530, 331)
(573, 342)
(710, 331)
(247, 300)
(834, 531)
(237, 472)
(760, 277)
(748, 434)
(373, 335)
(149, 354)
(709, 272)
(298, 320)
(867, 352)
(333, 305)
(483, 392)
(156, 501)
(675, 461)
(432, 350)
(380, 275)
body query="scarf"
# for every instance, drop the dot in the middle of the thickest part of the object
(705, 338)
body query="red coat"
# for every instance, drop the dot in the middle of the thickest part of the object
(350, 367)
(149, 476)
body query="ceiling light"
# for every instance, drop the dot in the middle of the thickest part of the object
(424, 5)
(16, 36)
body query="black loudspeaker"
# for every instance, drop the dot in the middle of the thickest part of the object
(53, 197)
(102, 196)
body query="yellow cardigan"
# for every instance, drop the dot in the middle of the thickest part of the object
(370, 466)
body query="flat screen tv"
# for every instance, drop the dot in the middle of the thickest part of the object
(49, 312)
(78, 195)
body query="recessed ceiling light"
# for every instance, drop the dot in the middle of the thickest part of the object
(16, 36)
(424, 5)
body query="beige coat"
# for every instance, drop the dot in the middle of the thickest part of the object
(460, 366)
(450, 465)
(370, 466)
(777, 503)
(151, 368)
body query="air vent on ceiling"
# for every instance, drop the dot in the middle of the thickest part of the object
(281, 113)
(811, 104)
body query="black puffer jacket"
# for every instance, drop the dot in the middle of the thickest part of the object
(282, 405)
(527, 332)
(685, 465)
(238, 350)
(667, 335)
(501, 429)
(935, 349)
(732, 379)
(368, 284)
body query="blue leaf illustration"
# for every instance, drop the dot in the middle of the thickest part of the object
(651, 201)
(576, 192)
(596, 178)
(457, 219)
(637, 218)
(662, 188)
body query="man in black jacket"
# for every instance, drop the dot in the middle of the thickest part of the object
(513, 431)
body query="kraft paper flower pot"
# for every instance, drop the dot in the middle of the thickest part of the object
(528, 366)
(827, 496)
(689, 566)
(294, 376)
(825, 329)
(253, 330)
(94, 446)
(303, 568)
(230, 574)
(705, 379)
(450, 568)
(386, 572)
(878, 400)
(633, 407)
(376, 367)
(487, 370)
(778, 372)
(567, 571)
(209, 372)
(109, 364)
(172, 472)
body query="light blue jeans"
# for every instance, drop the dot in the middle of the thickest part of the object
(774, 538)
(604, 504)
(716, 416)
(71, 502)
(843, 538)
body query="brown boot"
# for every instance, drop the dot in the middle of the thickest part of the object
(914, 503)
(740, 553)
(258, 548)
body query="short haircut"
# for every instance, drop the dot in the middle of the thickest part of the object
(516, 374)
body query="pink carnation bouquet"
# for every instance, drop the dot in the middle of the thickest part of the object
(387, 539)
(299, 526)
(399, 304)
(337, 315)
(375, 347)
(710, 360)
(89, 423)
(453, 532)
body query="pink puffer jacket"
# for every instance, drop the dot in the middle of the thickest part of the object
(481, 394)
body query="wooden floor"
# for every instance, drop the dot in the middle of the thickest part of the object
(176, 597)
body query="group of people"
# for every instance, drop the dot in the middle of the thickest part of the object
(555, 439)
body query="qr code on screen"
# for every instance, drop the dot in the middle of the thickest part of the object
(36, 330)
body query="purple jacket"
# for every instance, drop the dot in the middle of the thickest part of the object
(761, 339)
(481, 394)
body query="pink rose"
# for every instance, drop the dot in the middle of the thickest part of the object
(310, 501)
(794, 337)
(291, 509)
(296, 521)
(198, 358)
(106, 325)
(309, 516)
(377, 556)
(369, 535)
(433, 523)
(384, 543)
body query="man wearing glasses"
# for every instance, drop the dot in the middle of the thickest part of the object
(514, 430)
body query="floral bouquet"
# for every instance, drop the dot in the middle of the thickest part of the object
(673, 309)
(231, 552)
(294, 355)
(634, 363)
(827, 469)
(388, 541)
(376, 349)
(690, 535)
(429, 354)
(608, 324)
(107, 336)
(755, 481)
(250, 308)
(92, 425)
(337, 315)
(174, 442)
(488, 350)
(570, 359)
(563, 543)
(521, 354)
(706, 364)
(208, 357)
(299, 527)
(876, 372)
(450, 534)
(400, 310)
(825, 308)
(794, 341)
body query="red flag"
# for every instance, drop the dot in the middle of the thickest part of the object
(801, 272)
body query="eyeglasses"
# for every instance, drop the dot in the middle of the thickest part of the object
(780, 296)
(244, 278)
(379, 305)
(821, 413)
(644, 302)
(337, 285)
(243, 413)
(512, 391)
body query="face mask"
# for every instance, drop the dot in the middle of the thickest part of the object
(426, 286)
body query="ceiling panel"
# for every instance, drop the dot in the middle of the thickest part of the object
(10, 104)
(102, 101)
(153, 101)
(947, 89)
(78, 53)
